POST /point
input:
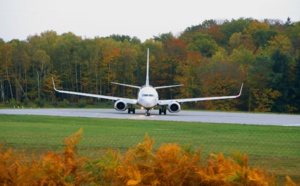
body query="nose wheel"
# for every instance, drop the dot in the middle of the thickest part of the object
(147, 112)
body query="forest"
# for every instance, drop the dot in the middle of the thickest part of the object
(211, 59)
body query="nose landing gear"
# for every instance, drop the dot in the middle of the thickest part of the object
(147, 112)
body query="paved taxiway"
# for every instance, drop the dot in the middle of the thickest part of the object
(188, 116)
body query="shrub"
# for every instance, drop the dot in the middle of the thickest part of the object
(62, 104)
(82, 104)
(49, 169)
(140, 165)
(170, 165)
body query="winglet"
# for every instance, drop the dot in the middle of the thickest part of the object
(54, 84)
(240, 91)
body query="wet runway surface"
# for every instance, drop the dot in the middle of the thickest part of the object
(187, 116)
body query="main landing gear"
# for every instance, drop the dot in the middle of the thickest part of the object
(163, 110)
(131, 109)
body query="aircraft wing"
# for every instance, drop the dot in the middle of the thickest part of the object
(166, 102)
(127, 100)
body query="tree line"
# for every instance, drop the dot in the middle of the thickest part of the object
(210, 59)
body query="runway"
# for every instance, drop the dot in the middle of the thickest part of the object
(187, 116)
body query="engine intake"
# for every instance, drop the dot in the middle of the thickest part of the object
(120, 105)
(174, 107)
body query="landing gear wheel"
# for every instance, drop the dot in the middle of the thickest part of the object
(147, 113)
(131, 110)
(162, 110)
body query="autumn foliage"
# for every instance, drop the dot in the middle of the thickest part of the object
(141, 165)
(48, 169)
(210, 59)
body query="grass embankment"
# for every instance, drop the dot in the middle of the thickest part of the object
(274, 147)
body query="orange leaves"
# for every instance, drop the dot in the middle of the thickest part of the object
(171, 165)
(216, 33)
(50, 169)
(222, 171)
(289, 182)
(141, 165)
(135, 167)
(110, 50)
(216, 171)
(134, 177)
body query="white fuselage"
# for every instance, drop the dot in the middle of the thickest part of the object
(147, 97)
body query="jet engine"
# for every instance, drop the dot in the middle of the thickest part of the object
(120, 105)
(174, 107)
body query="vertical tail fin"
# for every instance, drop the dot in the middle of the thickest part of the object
(147, 75)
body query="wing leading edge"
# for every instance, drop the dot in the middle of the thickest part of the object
(127, 100)
(166, 102)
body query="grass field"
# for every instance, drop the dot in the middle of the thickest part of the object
(274, 147)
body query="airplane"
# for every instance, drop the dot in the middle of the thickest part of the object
(147, 97)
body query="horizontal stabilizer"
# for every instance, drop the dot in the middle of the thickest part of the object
(126, 85)
(170, 86)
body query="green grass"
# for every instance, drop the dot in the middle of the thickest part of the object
(275, 147)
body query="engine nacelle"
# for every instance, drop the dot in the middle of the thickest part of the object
(174, 107)
(120, 105)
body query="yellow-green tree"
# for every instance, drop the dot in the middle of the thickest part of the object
(188, 73)
(281, 43)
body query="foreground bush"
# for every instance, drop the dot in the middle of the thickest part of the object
(141, 165)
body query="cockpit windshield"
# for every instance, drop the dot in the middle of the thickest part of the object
(148, 95)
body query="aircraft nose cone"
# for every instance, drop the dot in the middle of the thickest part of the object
(149, 103)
